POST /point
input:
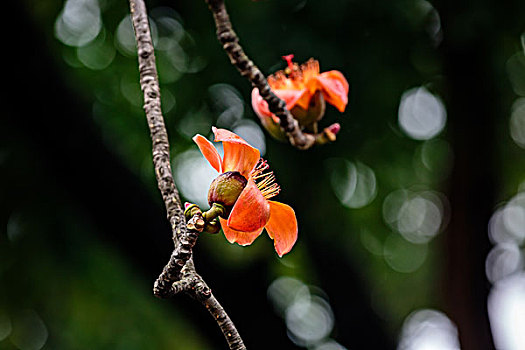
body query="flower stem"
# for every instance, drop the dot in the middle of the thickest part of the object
(238, 58)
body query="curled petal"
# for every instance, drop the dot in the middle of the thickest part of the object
(224, 135)
(251, 211)
(239, 237)
(282, 227)
(268, 120)
(335, 88)
(289, 96)
(259, 105)
(238, 154)
(209, 152)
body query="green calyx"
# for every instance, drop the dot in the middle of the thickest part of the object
(204, 221)
(226, 188)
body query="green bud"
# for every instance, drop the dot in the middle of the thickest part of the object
(226, 188)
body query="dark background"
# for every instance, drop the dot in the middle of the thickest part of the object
(394, 244)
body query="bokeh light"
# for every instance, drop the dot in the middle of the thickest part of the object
(130, 89)
(329, 345)
(428, 330)
(195, 121)
(125, 37)
(169, 24)
(79, 22)
(194, 174)
(517, 122)
(353, 183)
(98, 54)
(436, 156)
(168, 101)
(227, 102)
(516, 72)
(433, 20)
(504, 268)
(308, 315)
(421, 115)
(403, 256)
(514, 217)
(284, 290)
(417, 216)
(29, 331)
(506, 305)
(309, 320)
(371, 242)
(503, 260)
(498, 232)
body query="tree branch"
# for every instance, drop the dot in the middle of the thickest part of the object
(230, 42)
(179, 275)
(150, 87)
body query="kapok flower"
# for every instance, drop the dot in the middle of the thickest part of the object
(305, 90)
(244, 187)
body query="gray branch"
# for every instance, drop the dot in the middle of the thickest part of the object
(179, 275)
(238, 58)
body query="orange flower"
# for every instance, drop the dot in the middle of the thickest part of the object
(252, 211)
(305, 91)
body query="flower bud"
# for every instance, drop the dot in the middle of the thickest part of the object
(226, 188)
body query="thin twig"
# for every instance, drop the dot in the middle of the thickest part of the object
(179, 275)
(230, 42)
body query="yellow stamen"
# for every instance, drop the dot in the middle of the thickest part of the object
(265, 181)
(294, 76)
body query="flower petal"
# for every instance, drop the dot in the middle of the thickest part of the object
(335, 88)
(282, 227)
(238, 154)
(239, 157)
(239, 237)
(251, 211)
(289, 96)
(228, 136)
(209, 152)
(259, 105)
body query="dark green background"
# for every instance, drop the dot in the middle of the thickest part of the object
(83, 233)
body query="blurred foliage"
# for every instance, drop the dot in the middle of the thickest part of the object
(375, 201)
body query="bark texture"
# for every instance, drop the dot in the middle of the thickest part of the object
(179, 275)
(238, 58)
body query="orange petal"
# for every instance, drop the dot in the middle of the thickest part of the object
(239, 157)
(304, 100)
(228, 136)
(282, 227)
(238, 154)
(335, 88)
(259, 105)
(209, 152)
(239, 237)
(289, 96)
(251, 211)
